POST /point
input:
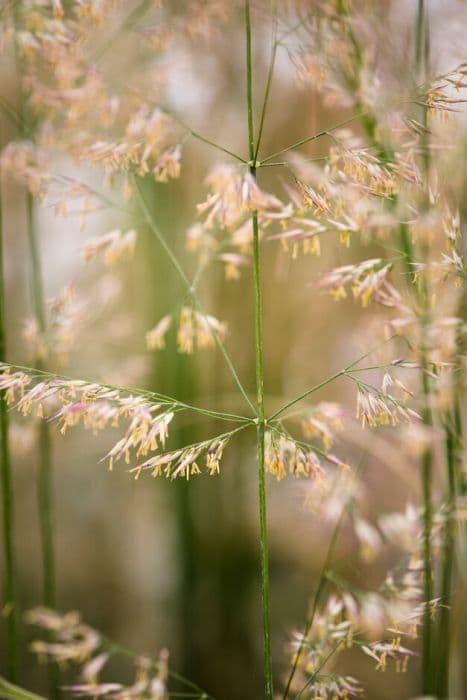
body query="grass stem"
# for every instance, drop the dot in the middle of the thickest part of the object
(191, 291)
(10, 587)
(45, 498)
(267, 90)
(259, 362)
(45, 471)
(369, 123)
(447, 555)
(316, 601)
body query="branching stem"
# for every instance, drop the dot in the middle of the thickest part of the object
(192, 292)
(259, 361)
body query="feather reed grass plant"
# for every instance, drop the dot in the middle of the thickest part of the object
(103, 127)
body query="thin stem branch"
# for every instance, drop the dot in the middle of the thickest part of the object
(11, 113)
(306, 393)
(129, 22)
(192, 293)
(259, 362)
(329, 379)
(215, 145)
(249, 83)
(123, 651)
(150, 395)
(267, 90)
(316, 673)
(9, 691)
(317, 597)
(308, 139)
(191, 132)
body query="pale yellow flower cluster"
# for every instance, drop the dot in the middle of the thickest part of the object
(74, 643)
(322, 422)
(226, 217)
(64, 316)
(377, 408)
(113, 246)
(96, 407)
(367, 280)
(195, 329)
(185, 462)
(28, 164)
(284, 456)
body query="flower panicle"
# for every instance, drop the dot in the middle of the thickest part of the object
(75, 402)
(65, 312)
(322, 422)
(224, 231)
(71, 642)
(114, 246)
(185, 462)
(368, 281)
(285, 456)
(195, 330)
(375, 408)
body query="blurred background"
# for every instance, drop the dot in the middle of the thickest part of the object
(174, 564)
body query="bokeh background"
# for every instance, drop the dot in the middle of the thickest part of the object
(159, 564)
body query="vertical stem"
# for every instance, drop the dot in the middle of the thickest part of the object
(189, 548)
(249, 85)
(444, 631)
(422, 296)
(44, 469)
(421, 57)
(316, 601)
(268, 682)
(267, 89)
(44, 482)
(44, 477)
(45, 501)
(7, 498)
(420, 40)
(427, 477)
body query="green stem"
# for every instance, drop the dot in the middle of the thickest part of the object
(316, 601)
(191, 291)
(128, 24)
(116, 648)
(427, 478)
(422, 295)
(45, 497)
(316, 673)
(306, 393)
(8, 691)
(444, 631)
(150, 395)
(45, 501)
(331, 378)
(7, 499)
(428, 674)
(216, 146)
(45, 471)
(267, 90)
(307, 139)
(259, 361)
